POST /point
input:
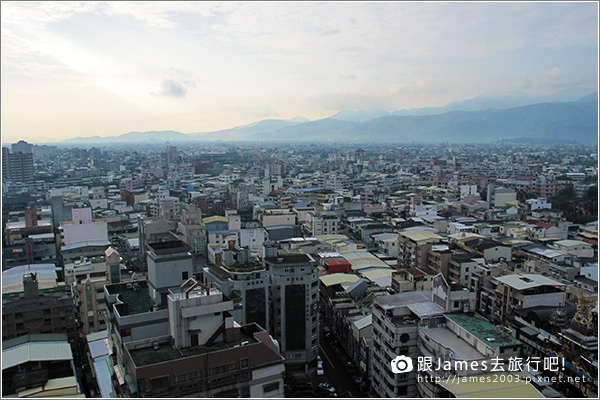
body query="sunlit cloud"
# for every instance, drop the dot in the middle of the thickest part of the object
(236, 62)
(173, 88)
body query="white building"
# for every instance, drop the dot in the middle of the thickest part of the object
(82, 228)
(577, 248)
(322, 223)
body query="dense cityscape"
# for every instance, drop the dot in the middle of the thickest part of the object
(292, 199)
(300, 270)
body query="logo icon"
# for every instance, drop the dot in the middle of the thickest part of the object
(402, 364)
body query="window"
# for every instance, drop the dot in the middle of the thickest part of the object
(244, 362)
(159, 383)
(184, 275)
(271, 387)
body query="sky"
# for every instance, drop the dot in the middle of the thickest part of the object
(105, 68)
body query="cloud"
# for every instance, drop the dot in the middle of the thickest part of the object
(349, 76)
(173, 88)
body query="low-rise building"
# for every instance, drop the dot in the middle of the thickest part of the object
(522, 291)
(38, 365)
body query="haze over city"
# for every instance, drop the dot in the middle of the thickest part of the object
(106, 68)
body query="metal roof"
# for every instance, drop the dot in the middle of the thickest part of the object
(527, 281)
(363, 322)
(492, 386)
(79, 245)
(36, 351)
(426, 309)
(420, 235)
(341, 279)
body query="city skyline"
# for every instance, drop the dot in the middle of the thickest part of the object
(106, 68)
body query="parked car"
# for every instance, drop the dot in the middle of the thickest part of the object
(320, 370)
(327, 387)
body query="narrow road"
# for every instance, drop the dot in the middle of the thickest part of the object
(336, 372)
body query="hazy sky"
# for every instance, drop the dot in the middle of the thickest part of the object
(106, 68)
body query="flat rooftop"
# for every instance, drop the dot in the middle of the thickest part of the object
(166, 352)
(527, 281)
(461, 349)
(170, 247)
(289, 259)
(136, 300)
(483, 330)
(403, 299)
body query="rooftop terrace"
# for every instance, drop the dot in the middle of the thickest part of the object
(165, 352)
(483, 330)
(135, 298)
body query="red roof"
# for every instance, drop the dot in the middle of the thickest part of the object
(336, 262)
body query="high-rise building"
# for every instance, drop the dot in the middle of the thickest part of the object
(294, 300)
(17, 166)
(5, 157)
(22, 147)
(248, 286)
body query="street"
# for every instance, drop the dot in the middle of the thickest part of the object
(336, 372)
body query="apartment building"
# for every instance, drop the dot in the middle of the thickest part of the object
(33, 309)
(413, 246)
(169, 264)
(321, 223)
(464, 340)
(192, 231)
(203, 352)
(396, 319)
(294, 299)
(522, 291)
(247, 284)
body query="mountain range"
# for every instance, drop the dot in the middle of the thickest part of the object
(514, 116)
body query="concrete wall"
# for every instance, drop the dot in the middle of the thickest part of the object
(546, 299)
(94, 231)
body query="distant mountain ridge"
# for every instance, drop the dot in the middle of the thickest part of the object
(548, 121)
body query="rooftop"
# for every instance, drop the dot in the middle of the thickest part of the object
(403, 299)
(527, 281)
(341, 279)
(171, 247)
(89, 243)
(420, 235)
(461, 350)
(571, 243)
(495, 385)
(215, 219)
(136, 300)
(483, 330)
(165, 352)
(47, 349)
(289, 259)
